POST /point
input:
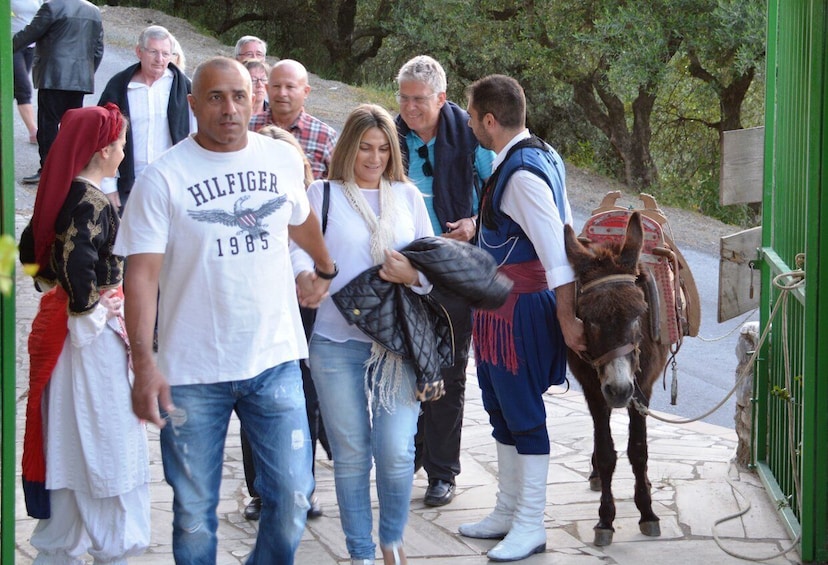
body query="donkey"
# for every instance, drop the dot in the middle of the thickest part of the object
(622, 361)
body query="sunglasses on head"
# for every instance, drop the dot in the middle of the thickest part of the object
(428, 170)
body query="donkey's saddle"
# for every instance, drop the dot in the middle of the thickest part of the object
(675, 308)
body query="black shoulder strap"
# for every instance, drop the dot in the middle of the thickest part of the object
(326, 203)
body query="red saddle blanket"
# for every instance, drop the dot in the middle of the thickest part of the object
(671, 290)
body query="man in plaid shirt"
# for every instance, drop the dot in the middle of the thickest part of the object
(287, 91)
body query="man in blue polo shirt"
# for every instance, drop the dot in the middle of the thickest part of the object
(448, 165)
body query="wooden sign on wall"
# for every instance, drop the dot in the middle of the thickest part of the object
(737, 280)
(740, 179)
(740, 182)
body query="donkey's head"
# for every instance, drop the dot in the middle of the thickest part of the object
(611, 304)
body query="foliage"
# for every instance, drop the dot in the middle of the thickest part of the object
(8, 258)
(332, 37)
(638, 90)
(687, 146)
(382, 95)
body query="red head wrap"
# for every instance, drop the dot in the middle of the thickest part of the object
(83, 132)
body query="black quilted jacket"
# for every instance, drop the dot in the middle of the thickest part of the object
(414, 326)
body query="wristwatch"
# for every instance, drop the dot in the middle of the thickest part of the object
(326, 276)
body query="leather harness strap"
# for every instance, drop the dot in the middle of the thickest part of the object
(609, 279)
(622, 350)
(614, 354)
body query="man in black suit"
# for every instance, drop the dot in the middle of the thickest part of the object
(68, 38)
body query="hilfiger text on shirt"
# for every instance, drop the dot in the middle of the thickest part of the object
(231, 184)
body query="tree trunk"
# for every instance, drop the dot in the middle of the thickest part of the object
(731, 98)
(644, 171)
(609, 115)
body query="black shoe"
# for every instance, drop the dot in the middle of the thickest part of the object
(253, 510)
(34, 179)
(315, 510)
(438, 493)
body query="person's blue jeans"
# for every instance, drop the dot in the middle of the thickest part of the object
(271, 407)
(358, 436)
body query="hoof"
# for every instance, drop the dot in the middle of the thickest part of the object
(652, 529)
(603, 537)
(595, 484)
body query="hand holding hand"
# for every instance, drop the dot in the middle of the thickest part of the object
(311, 289)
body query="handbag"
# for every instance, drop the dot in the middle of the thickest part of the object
(309, 314)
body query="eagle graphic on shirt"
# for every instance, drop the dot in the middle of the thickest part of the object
(243, 217)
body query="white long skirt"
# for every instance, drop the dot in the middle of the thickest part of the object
(94, 444)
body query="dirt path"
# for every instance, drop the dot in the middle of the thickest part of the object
(331, 101)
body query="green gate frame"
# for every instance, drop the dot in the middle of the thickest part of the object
(8, 338)
(791, 414)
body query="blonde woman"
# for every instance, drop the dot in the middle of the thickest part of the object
(178, 58)
(370, 415)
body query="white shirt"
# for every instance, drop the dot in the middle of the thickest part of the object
(228, 307)
(348, 241)
(148, 122)
(22, 13)
(528, 200)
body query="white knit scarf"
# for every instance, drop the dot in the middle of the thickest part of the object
(390, 378)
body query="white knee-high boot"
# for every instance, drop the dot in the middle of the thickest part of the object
(497, 524)
(528, 533)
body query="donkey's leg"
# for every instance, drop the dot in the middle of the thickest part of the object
(594, 479)
(604, 459)
(637, 454)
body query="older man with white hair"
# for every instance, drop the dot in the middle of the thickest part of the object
(250, 48)
(446, 162)
(152, 93)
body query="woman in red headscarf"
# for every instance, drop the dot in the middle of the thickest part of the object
(85, 462)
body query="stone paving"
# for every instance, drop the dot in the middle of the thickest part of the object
(694, 484)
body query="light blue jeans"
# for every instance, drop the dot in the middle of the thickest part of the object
(359, 436)
(271, 407)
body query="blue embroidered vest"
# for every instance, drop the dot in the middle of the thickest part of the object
(499, 234)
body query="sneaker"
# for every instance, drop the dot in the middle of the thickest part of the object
(34, 179)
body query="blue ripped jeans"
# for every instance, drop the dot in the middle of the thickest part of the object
(361, 435)
(271, 407)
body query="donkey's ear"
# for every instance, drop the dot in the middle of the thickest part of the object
(575, 250)
(631, 250)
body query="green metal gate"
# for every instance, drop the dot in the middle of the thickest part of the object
(791, 432)
(7, 313)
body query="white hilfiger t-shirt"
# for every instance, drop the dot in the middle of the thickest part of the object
(228, 307)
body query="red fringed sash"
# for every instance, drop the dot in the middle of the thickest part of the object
(494, 340)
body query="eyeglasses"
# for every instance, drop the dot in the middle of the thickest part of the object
(256, 81)
(156, 53)
(428, 170)
(252, 55)
(417, 100)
